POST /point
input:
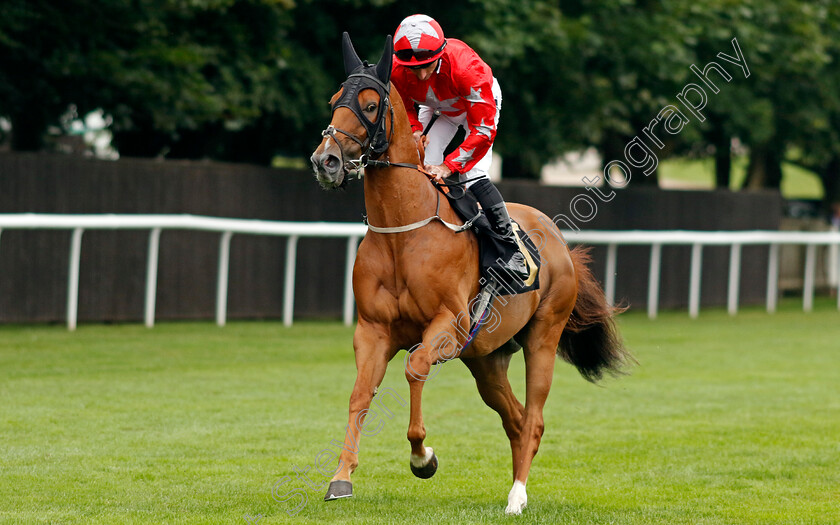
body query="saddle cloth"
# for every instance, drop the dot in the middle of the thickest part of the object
(491, 247)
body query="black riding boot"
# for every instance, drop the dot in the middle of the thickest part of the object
(496, 212)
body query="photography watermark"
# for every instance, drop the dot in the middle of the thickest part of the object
(639, 155)
(291, 491)
(446, 345)
(583, 207)
(693, 98)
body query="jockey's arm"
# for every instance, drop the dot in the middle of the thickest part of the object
(477, 89)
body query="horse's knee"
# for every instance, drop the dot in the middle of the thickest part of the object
(513, 430)
(539, 428)
(360, 401)
(533, 428)
(418, 366)
(536, 432)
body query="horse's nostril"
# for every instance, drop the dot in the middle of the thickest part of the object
(332, 163)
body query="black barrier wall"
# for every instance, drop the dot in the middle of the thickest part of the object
(33, 264)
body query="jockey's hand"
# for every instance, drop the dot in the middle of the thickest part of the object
(440, 172)
(419, 135)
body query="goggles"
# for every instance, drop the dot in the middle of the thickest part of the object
(419, 55)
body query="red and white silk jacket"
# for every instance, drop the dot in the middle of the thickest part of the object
(462, 84)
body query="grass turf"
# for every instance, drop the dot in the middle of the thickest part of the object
(726, 420)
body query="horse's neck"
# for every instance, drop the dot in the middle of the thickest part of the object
(399, 196)
(395, 197)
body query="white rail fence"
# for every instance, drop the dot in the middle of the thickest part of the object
(353, 232)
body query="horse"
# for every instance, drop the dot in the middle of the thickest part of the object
(413, 285)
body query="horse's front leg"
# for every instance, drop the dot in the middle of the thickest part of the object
(373, 351)
(441, 342)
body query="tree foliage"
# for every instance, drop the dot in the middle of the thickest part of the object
(247, 80)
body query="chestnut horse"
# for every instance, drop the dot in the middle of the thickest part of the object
(413, 288)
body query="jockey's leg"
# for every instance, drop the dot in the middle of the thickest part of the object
(440, 135)
(496, 211)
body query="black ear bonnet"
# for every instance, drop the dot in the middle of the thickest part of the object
(361, 76)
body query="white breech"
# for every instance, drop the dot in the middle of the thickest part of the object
(445, 128)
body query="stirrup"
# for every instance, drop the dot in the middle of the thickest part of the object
(488, 291)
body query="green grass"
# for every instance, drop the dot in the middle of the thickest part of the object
(797, 183)
(730, 420)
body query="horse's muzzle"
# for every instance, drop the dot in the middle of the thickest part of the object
(328, 169)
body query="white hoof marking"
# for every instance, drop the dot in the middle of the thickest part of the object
(422, 461)
(517, 499)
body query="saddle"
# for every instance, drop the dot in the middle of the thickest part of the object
(492, 247)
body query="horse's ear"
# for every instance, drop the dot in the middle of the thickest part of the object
(351, 59)
(383, 68)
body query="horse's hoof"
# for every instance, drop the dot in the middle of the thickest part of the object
(428, 470)
(339, 489)
(517, 499)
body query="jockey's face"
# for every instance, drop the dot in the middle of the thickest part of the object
(425, 72)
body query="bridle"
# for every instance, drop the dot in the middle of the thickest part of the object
(377, 142)
(378, 139)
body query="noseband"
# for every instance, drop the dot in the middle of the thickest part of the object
(377, 140)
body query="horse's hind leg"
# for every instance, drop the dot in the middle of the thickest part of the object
(490, 373)
(540, 346)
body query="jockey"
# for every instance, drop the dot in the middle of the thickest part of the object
(448, 76)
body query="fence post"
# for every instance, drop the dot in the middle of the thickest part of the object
(653, 279)
(222, 278)
(609, 282)
(773, 278)
(838, 289)
(694, 288)
(734, 279)
(810, 274)
(837, 271)
(348, 280)
(73, 278)
(151, 277)
(289, 284)
(833, 266)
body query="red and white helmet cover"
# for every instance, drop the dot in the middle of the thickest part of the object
(419, 40)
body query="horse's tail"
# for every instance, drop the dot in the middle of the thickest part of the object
(591, 341)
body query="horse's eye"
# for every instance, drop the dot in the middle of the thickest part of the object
(371, 107)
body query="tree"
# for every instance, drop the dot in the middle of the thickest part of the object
(817, 140)
(42, 58)
(179, 78)
(245, 80)
(529, 45)
(206, 77)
